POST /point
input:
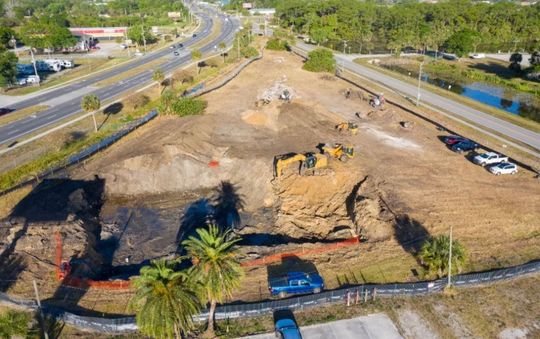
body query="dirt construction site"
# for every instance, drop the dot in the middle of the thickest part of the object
(137, 200)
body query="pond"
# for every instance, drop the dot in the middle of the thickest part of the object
(509, 100)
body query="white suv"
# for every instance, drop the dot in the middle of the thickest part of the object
(504, 168)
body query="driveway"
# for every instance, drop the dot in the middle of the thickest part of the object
(373, 326)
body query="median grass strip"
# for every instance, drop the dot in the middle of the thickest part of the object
(10, 117)
(515, 119)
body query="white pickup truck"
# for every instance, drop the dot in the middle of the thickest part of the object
(489, 158)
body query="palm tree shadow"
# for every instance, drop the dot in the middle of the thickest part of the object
(227, 206)
(410, 234)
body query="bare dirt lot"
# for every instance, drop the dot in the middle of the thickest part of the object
(402, 186)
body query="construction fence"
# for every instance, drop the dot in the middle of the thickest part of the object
(350, 295)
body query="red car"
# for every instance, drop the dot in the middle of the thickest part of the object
(454, 139)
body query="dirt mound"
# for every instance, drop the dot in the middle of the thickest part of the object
(338, 204)
(56, 206)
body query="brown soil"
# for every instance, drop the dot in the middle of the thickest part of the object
(403, 185)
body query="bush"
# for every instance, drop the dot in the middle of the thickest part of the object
(188, 106)
(320, 60)
(277, 45)
(182, 76)
(137, 101)
(249, 52)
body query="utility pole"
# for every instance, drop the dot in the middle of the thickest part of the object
(450, 261)
(35, 69)
(344, 46)
(41, 319)
(419, 81)
(142, 32)
(238, 46)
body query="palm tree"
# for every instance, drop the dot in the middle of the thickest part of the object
(222, 47)
(434, 254)
(158, 77)
(166, 101)
(165, 300)
(214, 263)
(196, 55)
(91, 103)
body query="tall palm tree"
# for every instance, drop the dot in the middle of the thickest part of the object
(435, 251)
(165, 300)
(158, 76)
(214, 263)
(91, 103)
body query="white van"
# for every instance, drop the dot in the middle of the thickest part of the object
(68, 63)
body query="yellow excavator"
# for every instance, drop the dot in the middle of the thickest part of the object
(347, 126)
(339, 151)
(308, 162)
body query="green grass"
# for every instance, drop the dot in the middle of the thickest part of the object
(515, 119)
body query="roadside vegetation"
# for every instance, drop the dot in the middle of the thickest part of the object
(365, 26)
(320, 60)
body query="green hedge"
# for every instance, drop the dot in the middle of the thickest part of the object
(277, 45)
(320, 60)
(188, 106)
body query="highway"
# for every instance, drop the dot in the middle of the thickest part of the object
(17, 129)
(428, 99)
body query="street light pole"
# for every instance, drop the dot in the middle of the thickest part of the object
(450, 261)
(344, 46)
(419, 81)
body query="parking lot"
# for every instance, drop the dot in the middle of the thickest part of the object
(373, 326)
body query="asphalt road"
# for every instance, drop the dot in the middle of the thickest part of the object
(479, 118)
(373, 326)
(22, 127)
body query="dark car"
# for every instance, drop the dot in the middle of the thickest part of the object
(464, 146)
(296, 283)
(194, 35)
(287, 329)
(180, 45)
(5, 111)
(454, 139)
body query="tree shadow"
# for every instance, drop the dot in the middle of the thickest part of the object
(290, 263)
(496, 69)
(410, 234)
(112, 109)
(197, 214)
(227, 203)
(10, 268)
(74, 137)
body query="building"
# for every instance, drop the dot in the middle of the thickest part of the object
(84, 33)
(263, 11)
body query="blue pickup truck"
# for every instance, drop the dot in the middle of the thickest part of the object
(296, 283)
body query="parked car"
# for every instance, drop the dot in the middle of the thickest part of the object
(478, 56)
(454, 139)
(489, 158)
(464, 146)
(296, 283)
(504, 168)
(287, 329)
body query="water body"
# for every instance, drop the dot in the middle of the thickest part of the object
(508, 100)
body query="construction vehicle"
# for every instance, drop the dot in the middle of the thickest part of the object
(339, 151)
(347, 126)
(307, 163)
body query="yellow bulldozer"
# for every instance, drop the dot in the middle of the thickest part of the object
(339, 151)
(308, 163)
(347, 126)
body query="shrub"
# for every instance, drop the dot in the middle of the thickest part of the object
(187, 106)
(137, 101)
(182, 76)
(277, 45)
(320, 60)
(249, 52)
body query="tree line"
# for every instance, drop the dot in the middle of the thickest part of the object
(364, 25)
